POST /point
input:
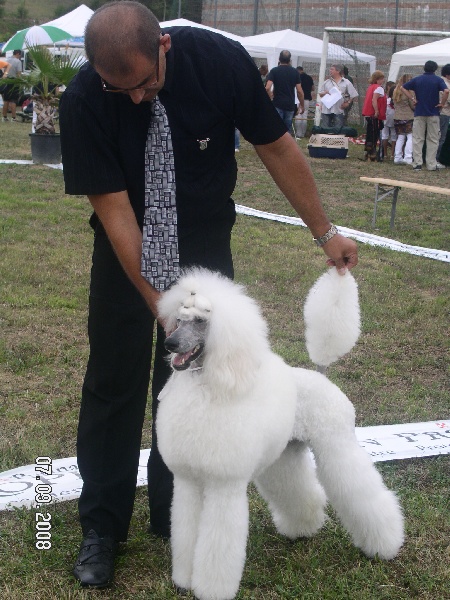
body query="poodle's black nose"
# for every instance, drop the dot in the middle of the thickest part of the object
(170, 344)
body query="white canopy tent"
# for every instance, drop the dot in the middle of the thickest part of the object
(75, 21)
(302, 48)
(438, 51)
(269, 45)
(187, 23)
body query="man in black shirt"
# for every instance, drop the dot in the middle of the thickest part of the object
(301, 121)
(282, 83)
(206, 85)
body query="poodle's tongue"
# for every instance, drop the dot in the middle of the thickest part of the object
(180, 359)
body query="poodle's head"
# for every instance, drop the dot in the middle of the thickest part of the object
(187, 342)
(217, 328)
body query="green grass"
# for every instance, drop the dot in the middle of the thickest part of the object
(397, 373)
(39, 11)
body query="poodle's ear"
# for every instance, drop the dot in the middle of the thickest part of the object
(169, 304)
(236, 343)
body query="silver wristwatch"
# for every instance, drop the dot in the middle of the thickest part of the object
(326, 237)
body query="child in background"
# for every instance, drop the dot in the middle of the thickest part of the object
(388, 133)
(403, 122)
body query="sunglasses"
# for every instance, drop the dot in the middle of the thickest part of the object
(147, 84)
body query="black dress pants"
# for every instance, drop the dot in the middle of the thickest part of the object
(114, 396)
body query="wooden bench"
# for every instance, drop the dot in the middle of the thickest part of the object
(386, 187)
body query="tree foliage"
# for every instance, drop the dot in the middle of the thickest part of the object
(22, 12)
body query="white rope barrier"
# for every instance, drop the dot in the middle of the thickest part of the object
(360, 236)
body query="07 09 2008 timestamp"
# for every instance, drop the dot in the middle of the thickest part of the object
(43, 521)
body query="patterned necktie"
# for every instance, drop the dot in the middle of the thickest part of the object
(160, 261)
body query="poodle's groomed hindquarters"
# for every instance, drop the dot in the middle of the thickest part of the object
(234, 412)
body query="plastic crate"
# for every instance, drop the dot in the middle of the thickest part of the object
(316, 152)
(320, 140)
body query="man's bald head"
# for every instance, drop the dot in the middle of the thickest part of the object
(117, 32)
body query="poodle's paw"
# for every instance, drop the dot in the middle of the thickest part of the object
(216, 582)
(382, 533)
(182, 581)
(307, 525)
(207, 590)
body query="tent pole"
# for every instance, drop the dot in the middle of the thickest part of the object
(323, 66)
(297, 15)
(255, 17)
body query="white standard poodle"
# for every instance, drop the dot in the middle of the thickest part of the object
(233, 412)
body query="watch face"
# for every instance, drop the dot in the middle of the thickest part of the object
(321, 241)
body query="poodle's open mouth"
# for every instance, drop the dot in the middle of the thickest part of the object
(181, 362)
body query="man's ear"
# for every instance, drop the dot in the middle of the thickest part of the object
(165, 42)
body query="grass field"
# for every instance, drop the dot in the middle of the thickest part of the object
(38, 12)
(398, 373)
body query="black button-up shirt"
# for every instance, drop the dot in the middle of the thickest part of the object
(212, 86)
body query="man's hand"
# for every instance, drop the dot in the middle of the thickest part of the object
(342, 253)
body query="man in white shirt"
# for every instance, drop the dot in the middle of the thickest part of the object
(334, 116)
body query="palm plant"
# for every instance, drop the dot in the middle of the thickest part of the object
(47, 75)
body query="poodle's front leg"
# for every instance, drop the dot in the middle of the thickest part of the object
(220, 552)
(186, 508)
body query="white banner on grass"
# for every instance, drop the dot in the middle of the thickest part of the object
(409, 440)
(29, 162)
(21, 486)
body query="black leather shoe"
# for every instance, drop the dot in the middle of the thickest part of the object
(95, 563)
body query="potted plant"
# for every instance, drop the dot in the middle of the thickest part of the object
(48, 75)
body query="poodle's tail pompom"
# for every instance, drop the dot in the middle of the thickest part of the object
(332, 317)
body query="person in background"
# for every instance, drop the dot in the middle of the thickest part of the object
(334, 116)
(348, 108)
(4, 64)
(388, 133)
(374, 111)
(444, 117)
(403, 122)
(282, 83)
(263, 70)
(426, 88)
(10, 94)
(346, 74)
(142, 139)
(301, 119)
